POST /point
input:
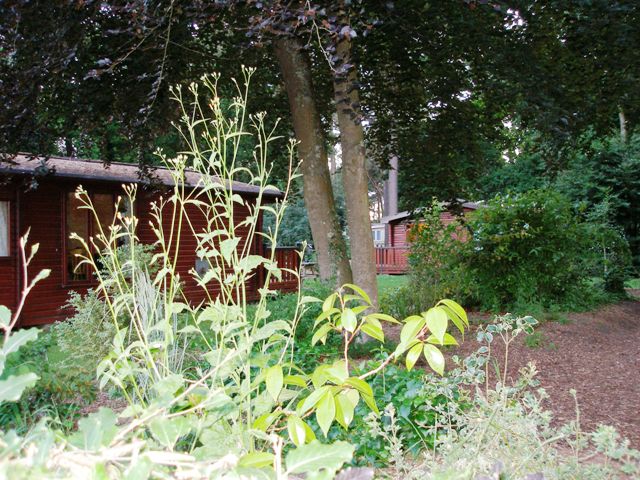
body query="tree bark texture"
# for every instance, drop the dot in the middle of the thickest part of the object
(328, 240)
(354, 171)
(623, 125)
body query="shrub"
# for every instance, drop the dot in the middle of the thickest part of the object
(59, 393)
(532, 248)
(436, 267)
(609, 256)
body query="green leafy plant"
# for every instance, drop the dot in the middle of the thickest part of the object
(12, 387)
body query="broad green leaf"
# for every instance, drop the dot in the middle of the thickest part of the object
(411, 329)
(373, 331)
(384, 317)
(349, 320)
(11, 389)
(18, 339)
(297, 380)
(345, 409)
(321, 334)
(437, 322)
(448, 340)
(328, 302)
(310, 402)
(250, 262)
(337, 372)
(169, 385)
(326, 412)
(5, 316)
(372, 321)
(413, 355)
(359, 309)
(168, 431)
(96, 430)
(457, 309)
(269, 329)
(371, 403)
(316, 456)
(324, 315)
(319, 376)
(228, 246)
(363, 387)
(265, 420)
(275, 381)
(297, 430)
(435, 359)
(256, 460)
(178, 307)
(139, 469)
(359, 291)
(455, 319)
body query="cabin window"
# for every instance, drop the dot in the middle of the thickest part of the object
(84, 223)
(4, 228)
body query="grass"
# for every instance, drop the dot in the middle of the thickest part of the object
(390, 282)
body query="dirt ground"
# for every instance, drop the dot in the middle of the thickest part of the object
(597, 354)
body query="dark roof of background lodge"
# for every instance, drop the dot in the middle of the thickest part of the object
(86, 169)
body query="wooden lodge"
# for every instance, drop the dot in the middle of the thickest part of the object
(51, 212)
(392, 257)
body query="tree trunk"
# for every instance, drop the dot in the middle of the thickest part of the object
(354, 172)
(328, 240)
(623, 125)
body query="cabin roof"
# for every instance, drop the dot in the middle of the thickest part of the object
(89, 169)
(407, 213)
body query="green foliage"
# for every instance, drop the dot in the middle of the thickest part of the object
(215, 388)
(597, 173)
(606, 171)
(530, 248)
(416, 399)
(436, 266)
(59, 393)
(85, 337)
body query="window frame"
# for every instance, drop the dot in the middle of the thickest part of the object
(10, 249)
(91, 279)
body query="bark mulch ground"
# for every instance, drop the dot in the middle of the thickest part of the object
(596, 353)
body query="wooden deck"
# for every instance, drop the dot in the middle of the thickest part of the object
(392, 260)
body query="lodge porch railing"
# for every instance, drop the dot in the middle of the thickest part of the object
(392, 260)
(286, 258)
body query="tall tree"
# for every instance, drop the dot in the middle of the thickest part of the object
(354, 171)
(327, 235)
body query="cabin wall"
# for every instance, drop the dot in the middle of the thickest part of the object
(43, 211)
(188, 243)
(398, 234)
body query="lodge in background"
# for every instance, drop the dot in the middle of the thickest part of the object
(391, 242)
(51, 212)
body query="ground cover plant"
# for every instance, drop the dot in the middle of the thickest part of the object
(212, 389)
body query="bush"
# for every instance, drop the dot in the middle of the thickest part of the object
(85, 338)
(59, 393)
(609, 255)
(532, 248)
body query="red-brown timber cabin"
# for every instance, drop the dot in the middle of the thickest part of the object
(51, 213)
(392, 251)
